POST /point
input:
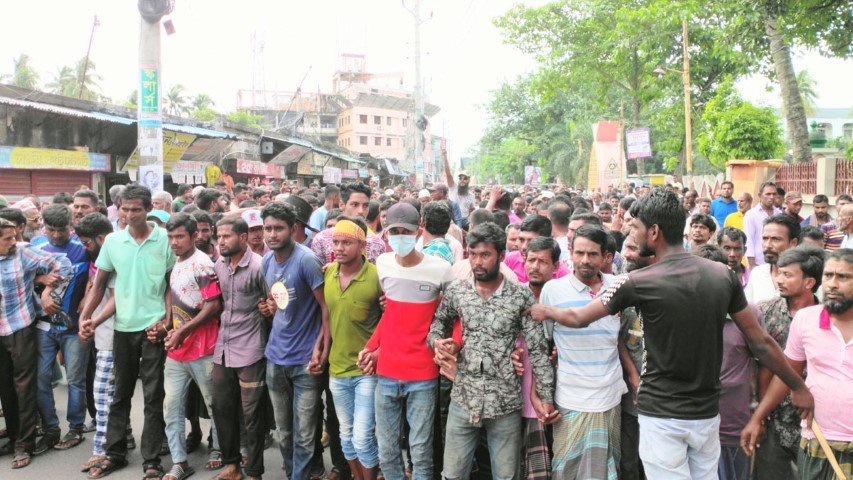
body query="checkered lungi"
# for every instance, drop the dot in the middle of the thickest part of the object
(535, 458)
(587, 445)
(104, 388)
(813, 464)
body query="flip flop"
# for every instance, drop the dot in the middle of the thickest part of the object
(179, 473)
(21, 460)
(105, 467)
(93, 460)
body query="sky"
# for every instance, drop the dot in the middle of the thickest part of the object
(463, 57)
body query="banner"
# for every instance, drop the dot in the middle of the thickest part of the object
(532, 175)
(349, 174)
(152, 177)
(174, 145)
(49, 159)
(638, 143)
(332, 175)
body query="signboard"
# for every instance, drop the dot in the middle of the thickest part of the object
(189, 168)
(249, 167)
(332, 175)
(362, 172)
(349, 174)
(173, 145)
(638, 143)
(290, 154)
(49, 159)
(149, 90)
(532, 175)
(152, 177)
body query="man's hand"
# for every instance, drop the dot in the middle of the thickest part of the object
(156, 332)
(546, 412)
(86, 330)
(804, 403)
(267, 307)
(383, 300)
(317, 364)
(497, 193)
(751, 435)
(175, 339)
(48, 279)
(446, 345)
(538, 312)
(47, 302)
(367, 361)
(516, 361)
(447, 364)
(634, 383)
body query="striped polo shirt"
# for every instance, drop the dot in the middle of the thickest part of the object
(589, 374)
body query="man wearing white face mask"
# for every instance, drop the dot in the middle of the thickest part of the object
(398, 351)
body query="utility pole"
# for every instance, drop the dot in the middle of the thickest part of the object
(417, 159)
(688, 135)
(95, 24)
(150, 121)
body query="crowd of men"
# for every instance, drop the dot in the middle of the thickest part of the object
(443, 332)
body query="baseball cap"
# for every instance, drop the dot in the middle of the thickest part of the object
(303, 209)
(463, 173)
(423, 193)
(389, 191)
(793, 196)
(253, 218)
(159, 215)
(404, 215)
(439, 186)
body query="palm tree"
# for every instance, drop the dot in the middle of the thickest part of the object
(808, 90)
(89, 83)
(202, 102)
(64, 82)
(24, 76)
(175, 103)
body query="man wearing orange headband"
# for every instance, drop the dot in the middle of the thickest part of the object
(352, 291)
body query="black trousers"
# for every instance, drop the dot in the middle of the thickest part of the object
(630, 465)
(19, 355)
(135, 357)
(235, 390)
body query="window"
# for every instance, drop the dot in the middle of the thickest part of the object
(377, 120)
(362, 140)
(404, 123)
(362, 119)
(388, 121)
(377, 141)
(387, 142)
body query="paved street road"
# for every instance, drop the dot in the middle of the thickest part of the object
(60, 465)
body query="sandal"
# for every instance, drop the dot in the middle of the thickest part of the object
(214, 460)
(105, 467)
(70, 440)
(21, 460)
(93, 460)
(193, 442)
(179, 473)
(155, 472)
(46, 443)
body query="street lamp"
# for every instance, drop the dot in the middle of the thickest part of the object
(685, 78)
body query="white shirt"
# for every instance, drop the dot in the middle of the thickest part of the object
(761, 285)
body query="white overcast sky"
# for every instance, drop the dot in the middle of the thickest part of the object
(463, 57)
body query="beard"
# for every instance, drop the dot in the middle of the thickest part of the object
(462, 189)
(93, 256)
(489, 275)
(203, 245)
(644, 250)
(29, 233)
(231, 251)
(837, 307)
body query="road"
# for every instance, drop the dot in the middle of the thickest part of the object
(56, 465)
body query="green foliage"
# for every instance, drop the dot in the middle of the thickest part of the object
(204, 115)
(175, 102)
(24, 75)
(64, 82)
(738, 130)
(243, 117)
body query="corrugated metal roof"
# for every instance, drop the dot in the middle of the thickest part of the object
(44, 107)
(204, 132)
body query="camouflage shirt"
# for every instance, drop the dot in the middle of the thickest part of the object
(777, 320)
(486, 385)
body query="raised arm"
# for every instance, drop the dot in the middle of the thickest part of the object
(449, 173)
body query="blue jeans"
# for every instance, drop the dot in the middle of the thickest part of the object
(295, 394)
(177, 376)
(354, 403)
(420, 413)
(76, 355)
(503, 435)
(680, 449)
(734, 464)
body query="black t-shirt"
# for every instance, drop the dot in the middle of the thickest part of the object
(683, 301)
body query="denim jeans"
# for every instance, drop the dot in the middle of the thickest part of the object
(680, 449)
(135, 358)
(420, 413)
(177, 378)
(295, 394)
(503, 435)
(734, 464)
(355, 399)
(76, 355)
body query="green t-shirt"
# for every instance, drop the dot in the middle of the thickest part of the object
(178, 205)
(140, 276)
(353, 316)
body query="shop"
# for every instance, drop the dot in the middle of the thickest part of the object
(44, 171)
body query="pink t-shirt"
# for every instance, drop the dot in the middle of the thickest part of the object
(515, 261)
(813, 338)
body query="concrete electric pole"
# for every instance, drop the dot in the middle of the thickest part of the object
(417, 159)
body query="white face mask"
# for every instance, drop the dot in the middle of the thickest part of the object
(402, 244)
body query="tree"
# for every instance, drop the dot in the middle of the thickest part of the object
(64, 82)
(738, 130)
(243, 117)
(175, 103)
(807, 86)
(87, 80)
(24, 75)
(202, 102)
(609, 46)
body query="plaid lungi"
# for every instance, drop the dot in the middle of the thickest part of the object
(535, 458)
(813, 464)
(587, 445)
(104, 389)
